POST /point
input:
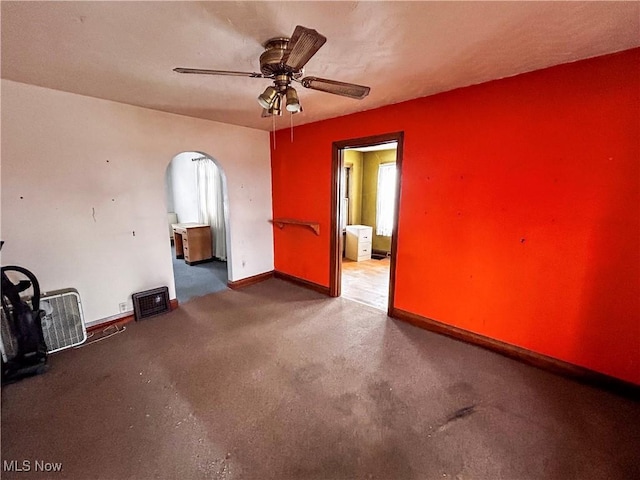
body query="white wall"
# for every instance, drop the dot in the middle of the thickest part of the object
(168, 188)
(83, 192)
(183, 186)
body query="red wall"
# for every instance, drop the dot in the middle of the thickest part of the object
(519, 211)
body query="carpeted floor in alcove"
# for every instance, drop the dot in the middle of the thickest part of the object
(197, 280)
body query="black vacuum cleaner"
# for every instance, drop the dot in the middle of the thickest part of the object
(24, 349)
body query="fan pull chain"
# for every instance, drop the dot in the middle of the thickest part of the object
(291, 117)
(274, 131)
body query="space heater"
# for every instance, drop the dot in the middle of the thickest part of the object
(151, 302)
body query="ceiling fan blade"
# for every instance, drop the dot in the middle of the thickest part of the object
(218, 72)
(304, 43)
(266, 113)
(338, 88)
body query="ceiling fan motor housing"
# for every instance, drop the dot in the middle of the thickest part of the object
(272, 61)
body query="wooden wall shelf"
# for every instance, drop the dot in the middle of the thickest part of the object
(281, 222)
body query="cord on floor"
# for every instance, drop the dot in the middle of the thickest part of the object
(106, 333)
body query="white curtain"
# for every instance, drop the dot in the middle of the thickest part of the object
(385, 202)
(211, 204)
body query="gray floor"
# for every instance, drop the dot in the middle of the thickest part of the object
(197, 280)
(278, 382)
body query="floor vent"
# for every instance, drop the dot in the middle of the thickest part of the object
(151, 302)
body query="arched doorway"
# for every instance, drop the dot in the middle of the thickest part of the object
(197, 207)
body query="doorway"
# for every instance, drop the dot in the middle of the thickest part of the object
(365, 196)
(197, 221)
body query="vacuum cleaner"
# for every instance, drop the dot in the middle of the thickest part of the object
(24, 351)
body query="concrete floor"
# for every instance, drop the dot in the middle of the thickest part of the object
(278, 382)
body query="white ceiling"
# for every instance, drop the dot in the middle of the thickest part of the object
(125, 51)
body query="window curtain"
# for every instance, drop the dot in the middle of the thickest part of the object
(211, 204)
(385, 201)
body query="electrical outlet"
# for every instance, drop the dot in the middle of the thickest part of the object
(123, 307)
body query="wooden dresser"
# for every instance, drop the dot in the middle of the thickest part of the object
(193, 242)
(358, 242)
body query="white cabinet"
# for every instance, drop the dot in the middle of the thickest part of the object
(358, 242)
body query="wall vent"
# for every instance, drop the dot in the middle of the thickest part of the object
(151, 302)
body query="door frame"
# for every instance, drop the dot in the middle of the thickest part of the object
(335, 270)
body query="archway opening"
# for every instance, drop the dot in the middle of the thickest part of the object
(198, 224)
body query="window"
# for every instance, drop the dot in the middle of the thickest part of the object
(385, 201)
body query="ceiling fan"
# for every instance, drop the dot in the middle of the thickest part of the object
(283, 61)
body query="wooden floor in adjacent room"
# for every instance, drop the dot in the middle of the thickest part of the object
(366, 282)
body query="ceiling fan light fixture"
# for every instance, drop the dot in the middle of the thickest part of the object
(293, 104)
(268, 97)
